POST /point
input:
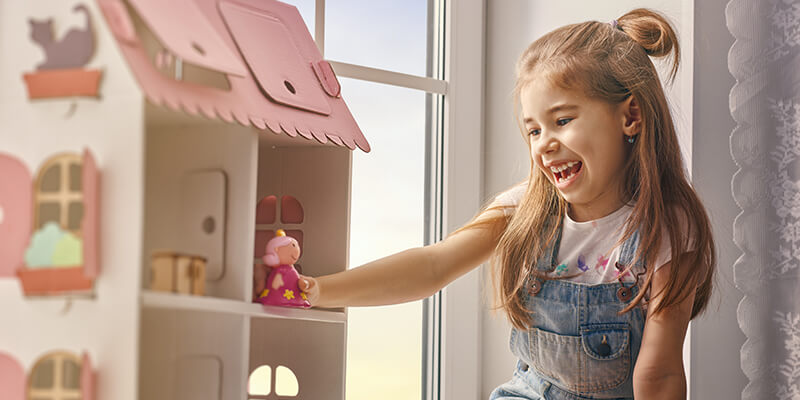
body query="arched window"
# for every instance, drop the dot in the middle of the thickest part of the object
(261, 381)
(56, 376)
(58, 193)
(291, 220)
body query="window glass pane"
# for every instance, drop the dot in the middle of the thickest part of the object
(285, 382)
(385, 34)
(260, 381)
(75, 177)
(75, 216)
(49, 212)
(384, 344)
(51, 179)
(42, 377)
(72, 375)
(306, 8)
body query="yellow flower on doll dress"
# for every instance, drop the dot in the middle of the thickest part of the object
(289, 294)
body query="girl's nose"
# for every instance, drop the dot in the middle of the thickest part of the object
(546, 144)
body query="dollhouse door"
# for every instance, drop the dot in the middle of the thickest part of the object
(203, 209)
(15, 213)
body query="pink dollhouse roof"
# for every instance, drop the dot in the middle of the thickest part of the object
(278, 79)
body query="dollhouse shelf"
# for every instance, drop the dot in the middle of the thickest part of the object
(173, 301)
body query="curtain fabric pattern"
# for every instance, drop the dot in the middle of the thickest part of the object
(765, 103)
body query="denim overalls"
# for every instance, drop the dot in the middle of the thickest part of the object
(578, 347)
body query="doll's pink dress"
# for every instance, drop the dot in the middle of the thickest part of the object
(289, 293)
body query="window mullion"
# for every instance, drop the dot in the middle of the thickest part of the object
(392, 78)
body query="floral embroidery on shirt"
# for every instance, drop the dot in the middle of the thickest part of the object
(602, 263)
(561, 269)
(582, 263)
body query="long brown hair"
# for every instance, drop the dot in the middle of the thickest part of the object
(611, 62)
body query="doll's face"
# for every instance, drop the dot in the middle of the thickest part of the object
(289, 253)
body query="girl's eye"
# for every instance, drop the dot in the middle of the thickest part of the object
(534, 132)
(563, 121)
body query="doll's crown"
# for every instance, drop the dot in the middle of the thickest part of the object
(280, 232)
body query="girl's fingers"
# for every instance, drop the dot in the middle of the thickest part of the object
(305, 283)
(308, 286)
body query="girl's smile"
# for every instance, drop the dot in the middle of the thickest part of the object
(565, 173)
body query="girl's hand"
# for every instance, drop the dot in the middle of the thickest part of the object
(310, 286)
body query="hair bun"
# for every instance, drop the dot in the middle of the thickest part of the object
(653, 32)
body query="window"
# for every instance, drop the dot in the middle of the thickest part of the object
(260, 383)
(387, 55)
(56, 376)
(58, 195)
(267, 222)
(397, 48)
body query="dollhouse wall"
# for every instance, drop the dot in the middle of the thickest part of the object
(106, 325)
(175, 152)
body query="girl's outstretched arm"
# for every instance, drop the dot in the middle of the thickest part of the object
(658, 373)
(408, 275)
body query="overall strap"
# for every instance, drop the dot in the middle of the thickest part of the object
(628, 250)
(626, 256)
(547, 261)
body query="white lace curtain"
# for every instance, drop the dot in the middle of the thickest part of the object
(765, 103)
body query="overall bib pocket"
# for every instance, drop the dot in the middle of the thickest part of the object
(597, 360)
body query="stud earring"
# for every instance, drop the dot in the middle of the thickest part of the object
(631, 139)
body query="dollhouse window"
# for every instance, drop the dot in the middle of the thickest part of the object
(267, 222)
(55, 377)
(260, 382)
(58, 195)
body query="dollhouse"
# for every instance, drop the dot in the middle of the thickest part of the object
(139, 187)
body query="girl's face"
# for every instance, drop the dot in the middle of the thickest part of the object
(580, 145)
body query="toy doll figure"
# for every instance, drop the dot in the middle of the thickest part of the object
(282, 290)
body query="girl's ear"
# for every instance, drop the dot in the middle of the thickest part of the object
(631, 116)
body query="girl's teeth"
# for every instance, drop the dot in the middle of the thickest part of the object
(564, 171)
(564, 166)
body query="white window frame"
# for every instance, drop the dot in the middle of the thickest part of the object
(461, 368)
(456, 355)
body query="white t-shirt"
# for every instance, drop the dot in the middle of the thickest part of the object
(589, 249)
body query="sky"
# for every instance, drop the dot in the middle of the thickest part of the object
(384, 347)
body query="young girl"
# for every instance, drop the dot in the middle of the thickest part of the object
(603, 255)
